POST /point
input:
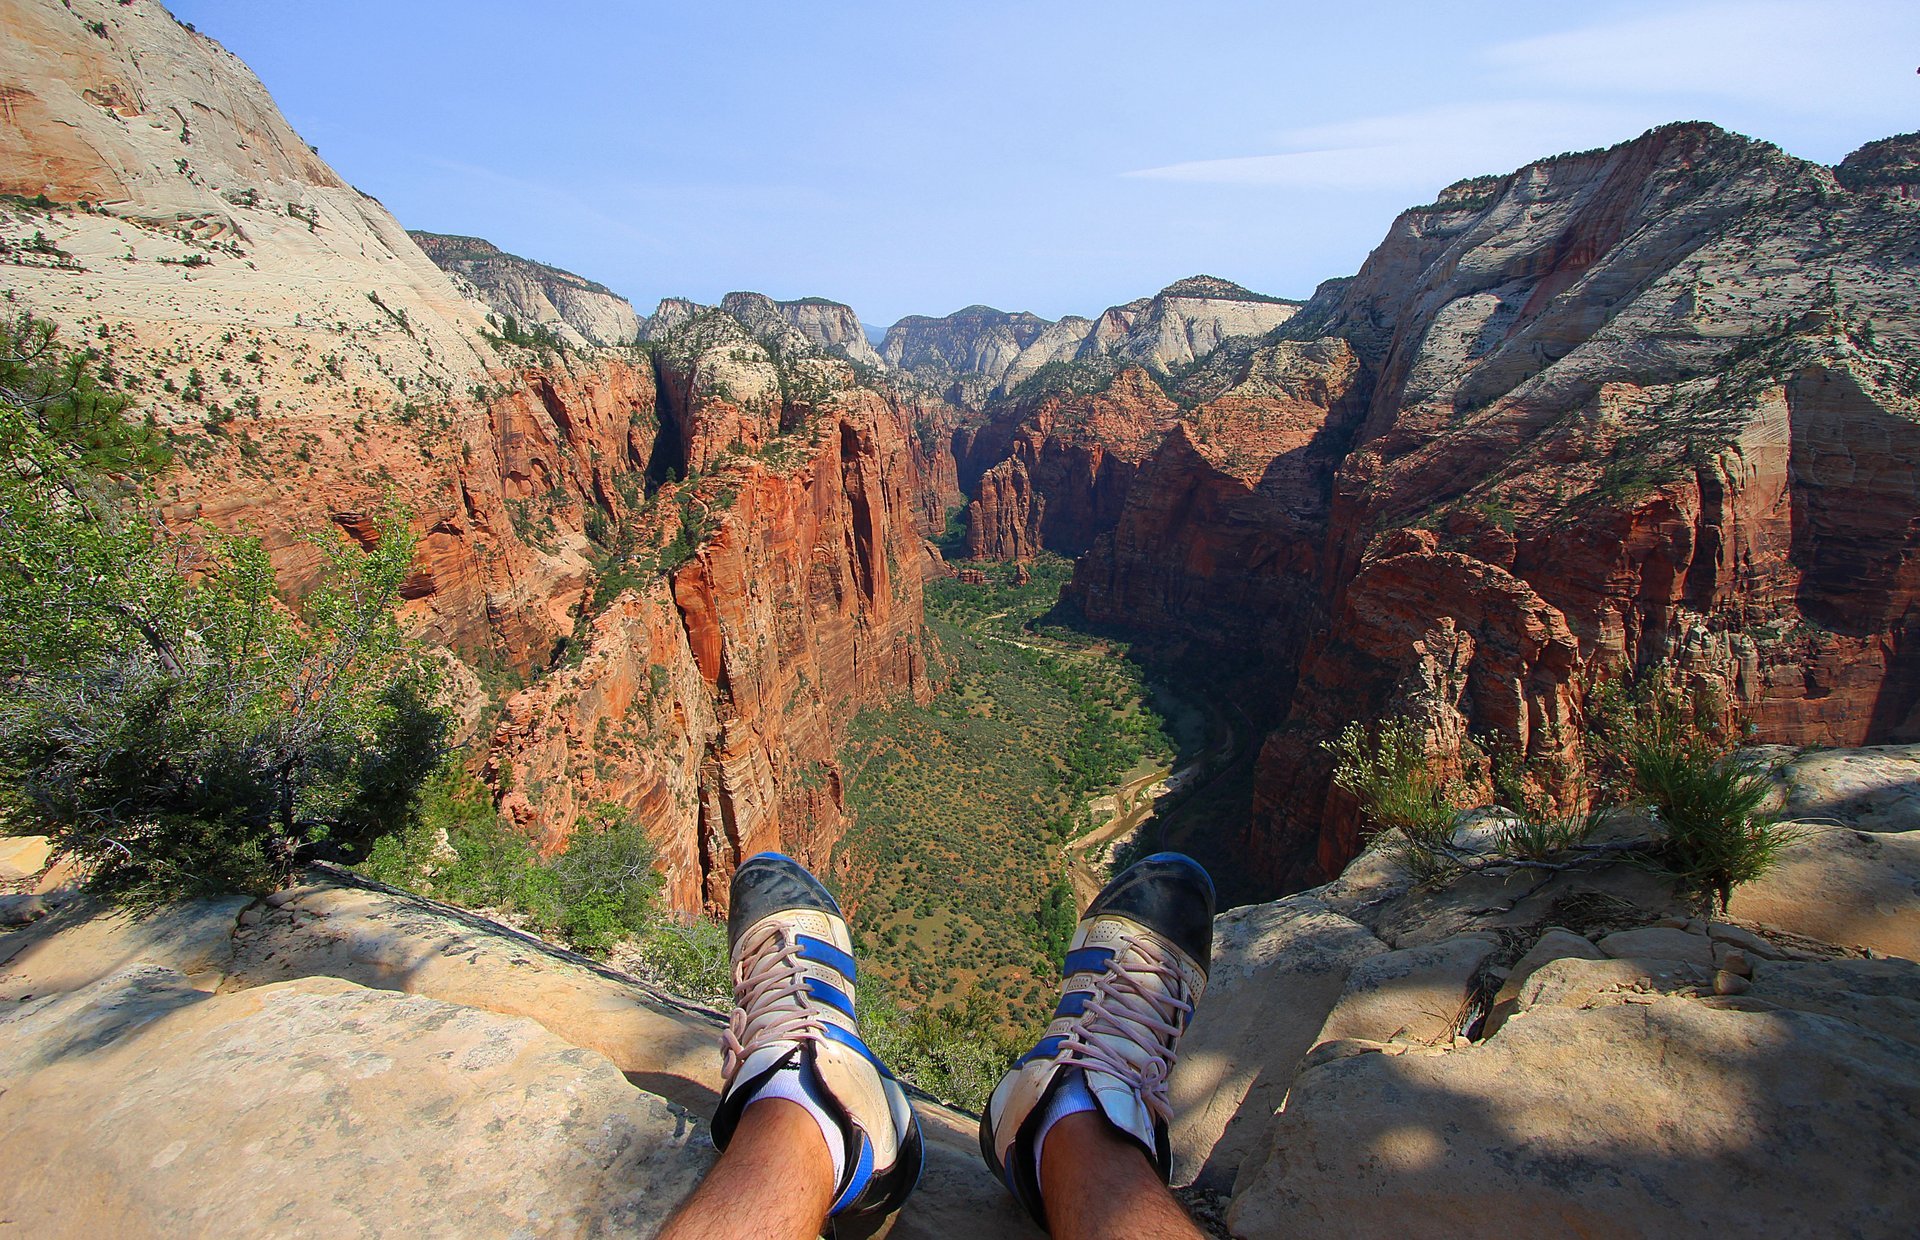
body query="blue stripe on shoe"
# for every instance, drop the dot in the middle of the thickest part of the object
(1045, 1048)
(829, 995)
(1072, 1003)
(829, 955)
(846, 1038)
(862, 1176)
(1086, 960)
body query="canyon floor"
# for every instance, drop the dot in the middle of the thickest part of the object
(1574, 1057)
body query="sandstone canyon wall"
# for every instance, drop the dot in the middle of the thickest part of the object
(311, 365)
(1653, 403)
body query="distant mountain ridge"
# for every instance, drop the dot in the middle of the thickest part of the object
(978, 352)
(582, 311)
(807, 323)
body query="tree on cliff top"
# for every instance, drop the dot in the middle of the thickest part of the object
(164, 716)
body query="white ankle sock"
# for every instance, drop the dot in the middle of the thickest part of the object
(1071, 1098)
(789, 1083)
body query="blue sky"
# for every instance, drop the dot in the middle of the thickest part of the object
(917, 157)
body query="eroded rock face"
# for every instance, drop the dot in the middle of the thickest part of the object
(1655, 403)
(313, 365)
(713, 701)
(1069, 463)
(1717, 499)
(1220, 536)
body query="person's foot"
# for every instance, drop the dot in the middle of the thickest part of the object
(1134, 970)
(794, 1035)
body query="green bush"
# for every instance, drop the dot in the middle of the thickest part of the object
(1719, 832)
(603, 886)
(600, 890)
(689, 960)
(1387, 771)
(163, 718)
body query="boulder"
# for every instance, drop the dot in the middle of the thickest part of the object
(1555, 944)
(1659, 943)
(1673, 1117)
(318, 1107)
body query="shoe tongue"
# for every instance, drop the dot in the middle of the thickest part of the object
(1121, 1104)
(764, 1058)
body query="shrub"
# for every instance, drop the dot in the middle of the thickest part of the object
(164, 717)
(689, 960)
(1719, 832)
(1388, 773)
(603, 885)
(1536, 838)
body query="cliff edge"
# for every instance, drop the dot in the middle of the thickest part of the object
(1573, 1055)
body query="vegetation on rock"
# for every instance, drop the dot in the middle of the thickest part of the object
(1659, 745)
(164, 716)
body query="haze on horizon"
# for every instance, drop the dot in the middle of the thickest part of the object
(913, 161)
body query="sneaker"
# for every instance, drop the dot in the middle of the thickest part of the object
(1136, 967)
(793, 977)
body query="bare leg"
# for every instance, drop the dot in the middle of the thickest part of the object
(775, 1181)
(1098, 1184)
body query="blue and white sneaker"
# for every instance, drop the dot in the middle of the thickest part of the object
(793, 978)
(1134, 970)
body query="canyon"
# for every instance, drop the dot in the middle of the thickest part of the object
(311, 367)
(1655, 406)
(1647, 404)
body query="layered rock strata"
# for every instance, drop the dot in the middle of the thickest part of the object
(1649, 404)
(312, 367)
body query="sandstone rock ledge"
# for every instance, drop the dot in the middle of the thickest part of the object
(345, 1060)
(1578, 1057)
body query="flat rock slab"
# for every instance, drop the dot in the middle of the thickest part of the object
(1852, 888)
(22, 856)
(1277, 971)
(1669, 1118)
(394, 941)
(321, 1108)
(1573, 982)
(1870, 789)
(86, 941)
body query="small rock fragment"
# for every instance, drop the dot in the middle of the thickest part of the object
(1726, 983)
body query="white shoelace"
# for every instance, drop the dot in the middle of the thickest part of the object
(1139, 1000)
(771, 1002)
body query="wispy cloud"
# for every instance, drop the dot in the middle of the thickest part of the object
(1421, 149)
(1823, 57)
(1842, 60)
